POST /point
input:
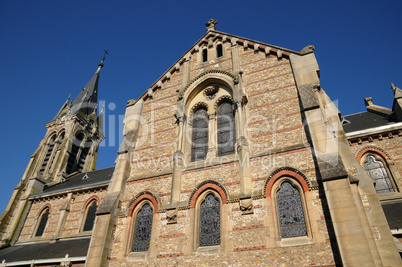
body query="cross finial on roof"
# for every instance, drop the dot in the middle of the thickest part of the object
(103, 58)
(211, 24)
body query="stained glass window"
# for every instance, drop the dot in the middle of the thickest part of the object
(42, 223)
(199, 146)
(210, 221)
(143, 228)
(89, 220)
(377, 171)
(290, 211)
(226, 129)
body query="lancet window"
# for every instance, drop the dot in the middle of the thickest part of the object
(143, 228)
(199, 142)
(42, 223)
(290, 211)
(226, 129)
(90, 216)
(210, 221)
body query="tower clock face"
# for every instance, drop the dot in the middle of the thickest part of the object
(91, 124)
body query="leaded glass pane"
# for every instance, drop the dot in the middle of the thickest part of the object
(290, 210)
(210, 221)
(226, 129)
(143, 228)
(199, 146)
(378, 172)
(89, 220)
(42, 223)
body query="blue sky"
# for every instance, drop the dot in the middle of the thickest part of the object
(50, 49)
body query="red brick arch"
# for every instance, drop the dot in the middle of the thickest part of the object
(90, 200)
(207, 186)
(47, 206)
(371, 149)
(145, 196)
(287, 173)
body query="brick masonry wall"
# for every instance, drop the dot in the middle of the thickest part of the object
(73, 221)
(32, 219)
(249, 240)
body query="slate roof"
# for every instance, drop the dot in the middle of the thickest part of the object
(40, 251)
(80, 180)
(393, 214)
(366, 120)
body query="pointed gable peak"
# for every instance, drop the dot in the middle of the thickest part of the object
(397, 91)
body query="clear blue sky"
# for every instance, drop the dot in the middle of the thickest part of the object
(50, 49)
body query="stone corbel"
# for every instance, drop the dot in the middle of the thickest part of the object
(246, 206)
(150, 93)
(171, 216)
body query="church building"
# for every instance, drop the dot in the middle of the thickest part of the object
(235, 156)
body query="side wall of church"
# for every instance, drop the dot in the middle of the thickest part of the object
(69, 226)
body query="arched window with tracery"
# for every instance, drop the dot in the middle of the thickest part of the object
(210, 221)
(90, 216)
(226, 129)
(290, 211)
(143, 228)
(199, 144)
(42, 222)
(377, 170)
(49, 152)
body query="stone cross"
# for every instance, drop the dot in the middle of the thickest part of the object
(211, 24)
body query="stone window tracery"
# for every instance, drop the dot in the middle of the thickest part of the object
(377, 170)
(211, 128)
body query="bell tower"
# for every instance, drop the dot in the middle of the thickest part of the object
(72, 139)
(70, 146)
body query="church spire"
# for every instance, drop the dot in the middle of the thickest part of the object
(86, 101)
